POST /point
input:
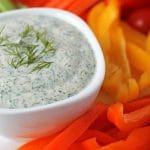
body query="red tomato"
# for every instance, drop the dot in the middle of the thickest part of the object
(134, 3)
(140, 19)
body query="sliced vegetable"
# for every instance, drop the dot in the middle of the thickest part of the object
(105, 20)
(79, 6)
(38, 144)
(148, 43)
(137, 140)
(90, 144)
(75, 130)
(139, 58)
(33, 3)
(130, 121)
(54, 3)
(137, 104)
(133, 35)
(64, 4)
(92, 17)
(144, 81)
(101, 137)
(6, 5)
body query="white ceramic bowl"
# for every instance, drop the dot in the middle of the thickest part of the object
(43, 120)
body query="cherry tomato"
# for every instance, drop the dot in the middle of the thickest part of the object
(134, 3)
(140, 19)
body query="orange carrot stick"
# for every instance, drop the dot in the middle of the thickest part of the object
(76, 146)
(90, 144)
(137, 140)
(117, 134)
(53, 3)
(38, 144)
(65, 4)
(102, 123)
(132, 106)
(127, 122)
(79, 6)
(33, 3)
(75, 130)
(101, 137)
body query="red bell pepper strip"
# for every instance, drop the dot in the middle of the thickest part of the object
(67, 137)
(79, 6)
(38, 144)
(134, 105)
(33, 3)
(137, 140)
(90, 144)
(101, 137)
(132, 120)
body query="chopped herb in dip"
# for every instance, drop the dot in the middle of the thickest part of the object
(42, 60)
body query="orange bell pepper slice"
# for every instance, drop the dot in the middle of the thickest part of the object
(132, 120)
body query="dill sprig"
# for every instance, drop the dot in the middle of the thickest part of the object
(25, 53)
(41, 65)
(28, 29)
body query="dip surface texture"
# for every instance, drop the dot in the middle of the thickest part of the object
(72, 68)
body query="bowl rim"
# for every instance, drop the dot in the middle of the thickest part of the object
(99, 74)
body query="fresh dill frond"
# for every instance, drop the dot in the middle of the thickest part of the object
(31, 54)
(2, 29)
(28, 29)
(25, 53)
(2, 38)
(15, 63)
(48, 47)
(41, 65)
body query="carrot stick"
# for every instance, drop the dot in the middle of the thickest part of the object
(137, 140)
(132, 106)
(79, 6)
(76, 146)
(117, 134)
(127, 122)
(33, 3)
(75, 130)
(38, 144)
(101, 137)
(62, 4)
(102, 123)
(65, 3)
(53, 3)
(90, 144)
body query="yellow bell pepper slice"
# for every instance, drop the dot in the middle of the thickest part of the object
(93, 14)
(133, 89)
(144, 81)
(133, 35)
(139, 58)
(118, 50)
(148, 43)
(105, 20)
